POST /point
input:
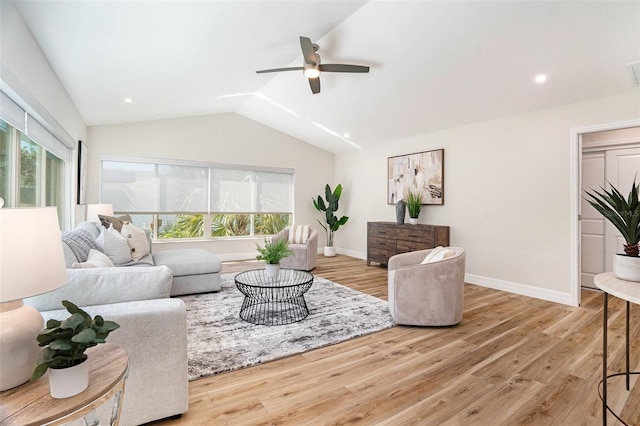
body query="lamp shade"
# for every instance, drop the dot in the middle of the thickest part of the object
(93, 210)
(31, 256)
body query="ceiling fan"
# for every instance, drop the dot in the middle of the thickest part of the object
(312, 67)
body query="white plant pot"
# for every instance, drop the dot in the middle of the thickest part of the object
(329, 251)
(626, 267)
(413, 220)
(67, 382)
(272, 270)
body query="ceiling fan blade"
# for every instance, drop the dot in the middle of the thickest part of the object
(307, 50)
(315, 85)
(343, 68)
(280, 69)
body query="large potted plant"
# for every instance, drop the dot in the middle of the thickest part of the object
(624, 214)
(331, 221)
(414, 204)
(64, 345)
(272, 253)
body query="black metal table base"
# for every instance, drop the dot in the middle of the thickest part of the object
(274, 312)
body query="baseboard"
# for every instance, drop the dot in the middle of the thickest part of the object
(352, 253)
(522, 289)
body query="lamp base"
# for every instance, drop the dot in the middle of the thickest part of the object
(19, 328)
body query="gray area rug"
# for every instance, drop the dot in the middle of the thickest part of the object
(218, 340)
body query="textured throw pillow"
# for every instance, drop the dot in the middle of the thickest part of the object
(114, 245)
(137, 241)
(96, 259)
(80, 242)
(437, 254)
(298, 234)
(116, 221)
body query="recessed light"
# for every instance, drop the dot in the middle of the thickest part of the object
(128, 100)
(541, 78)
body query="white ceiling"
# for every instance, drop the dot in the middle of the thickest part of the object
(434, 64)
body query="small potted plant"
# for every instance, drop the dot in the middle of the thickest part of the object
(272, 253)
(414, 204)
(331, 221)
(64, 345)
(624, 214)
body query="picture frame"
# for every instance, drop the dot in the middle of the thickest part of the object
(82, 172)
(420, 171)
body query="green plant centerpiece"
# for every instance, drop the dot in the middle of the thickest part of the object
(624, 214)
(331, 221)
(414, 203)
(66, 341)
(273, 253)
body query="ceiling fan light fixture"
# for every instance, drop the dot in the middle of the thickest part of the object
(312, 72)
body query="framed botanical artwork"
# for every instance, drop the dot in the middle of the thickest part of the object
(421, 172)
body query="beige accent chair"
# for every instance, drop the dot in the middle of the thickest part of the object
(305, 256)
(430, 294)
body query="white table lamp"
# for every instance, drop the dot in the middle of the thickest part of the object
(93, 210)
(31, 263)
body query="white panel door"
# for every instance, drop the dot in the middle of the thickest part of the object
(622, 167)
(592, 223)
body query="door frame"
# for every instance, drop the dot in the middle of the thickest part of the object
(575, 188)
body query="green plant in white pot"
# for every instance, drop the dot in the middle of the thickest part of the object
(624, 214)
(64, 345)
(414, 204)
(272, 253)
(331, 221)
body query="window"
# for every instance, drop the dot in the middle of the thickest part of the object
(30, 176)
(199, 200)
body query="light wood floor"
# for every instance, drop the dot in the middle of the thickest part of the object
(513, 360)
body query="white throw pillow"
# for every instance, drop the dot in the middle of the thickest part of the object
(437, 254)
(299, 234)
(137, 241)
(96, 259)
(114, 245)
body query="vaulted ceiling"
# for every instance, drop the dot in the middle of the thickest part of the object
(434, 64)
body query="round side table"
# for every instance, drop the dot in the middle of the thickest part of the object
(31, 403)
(630, 292)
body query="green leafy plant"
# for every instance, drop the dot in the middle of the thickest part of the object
(623, 213)
(414, 203)
(331, 221)
(273, 253)
(65, 341)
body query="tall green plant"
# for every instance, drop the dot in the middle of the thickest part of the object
(414, 203)
(623, 213)
(331, 221)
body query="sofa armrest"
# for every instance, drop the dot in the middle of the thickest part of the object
(407, 259)
(100, 286)
(154, 335)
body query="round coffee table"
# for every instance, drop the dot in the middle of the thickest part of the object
(274, 301)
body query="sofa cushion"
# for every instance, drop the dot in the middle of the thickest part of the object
(80, 242)
(99, 286)
(188, 261)
(96, 259)
(117, 222)
(114, 245)
(437, 254)
(136, 240)
(299, 234)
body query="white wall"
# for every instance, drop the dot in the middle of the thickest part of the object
(221, 138)
(507, 193)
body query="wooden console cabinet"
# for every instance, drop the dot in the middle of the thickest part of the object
(385, 239)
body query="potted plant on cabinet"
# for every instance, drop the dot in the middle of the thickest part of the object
(65, 343)
(624, 214)
(331, 221)
(414, 204)
(272, 254)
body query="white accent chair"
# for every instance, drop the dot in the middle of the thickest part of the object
(305, 256)
(427, 294)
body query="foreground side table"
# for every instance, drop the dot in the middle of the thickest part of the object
(31, 403)
(630, 292)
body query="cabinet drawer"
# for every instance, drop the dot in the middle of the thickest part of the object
(406, 246)
(382, 244)
(380, 255)
(415, 233)
(377, 231)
